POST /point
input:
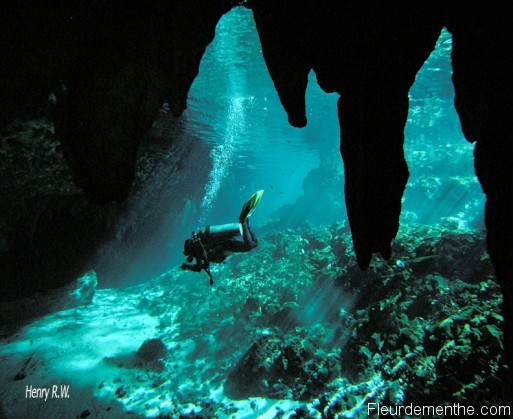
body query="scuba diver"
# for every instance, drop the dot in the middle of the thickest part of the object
(216, 243)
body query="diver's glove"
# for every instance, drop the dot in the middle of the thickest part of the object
(207, 270)
(183, 266)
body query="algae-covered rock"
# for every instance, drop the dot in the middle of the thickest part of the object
(328, 338)
(86, 287)
(280, 368)
(152, 350)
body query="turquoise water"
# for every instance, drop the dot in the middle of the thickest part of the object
(238, 141)
(234, 107)
(327, 338)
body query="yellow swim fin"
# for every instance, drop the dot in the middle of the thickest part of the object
(250, 206)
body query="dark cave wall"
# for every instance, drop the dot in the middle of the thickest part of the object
(50, 233)
(482, 60)
(108, 67)
(140, 56)
(111, 65)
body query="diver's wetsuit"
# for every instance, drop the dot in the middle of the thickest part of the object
(206, 250)
(249, 241)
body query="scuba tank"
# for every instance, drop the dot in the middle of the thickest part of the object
(212, 236)
(221, 232)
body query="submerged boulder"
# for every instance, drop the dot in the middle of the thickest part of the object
(86, 287)
(152, 350)
(280, 368)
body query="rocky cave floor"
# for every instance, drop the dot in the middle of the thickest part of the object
(293, 329)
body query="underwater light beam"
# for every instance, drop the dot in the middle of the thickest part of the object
(222, 156)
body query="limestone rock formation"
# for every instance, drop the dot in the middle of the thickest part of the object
(369, 52)
(280, 368)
